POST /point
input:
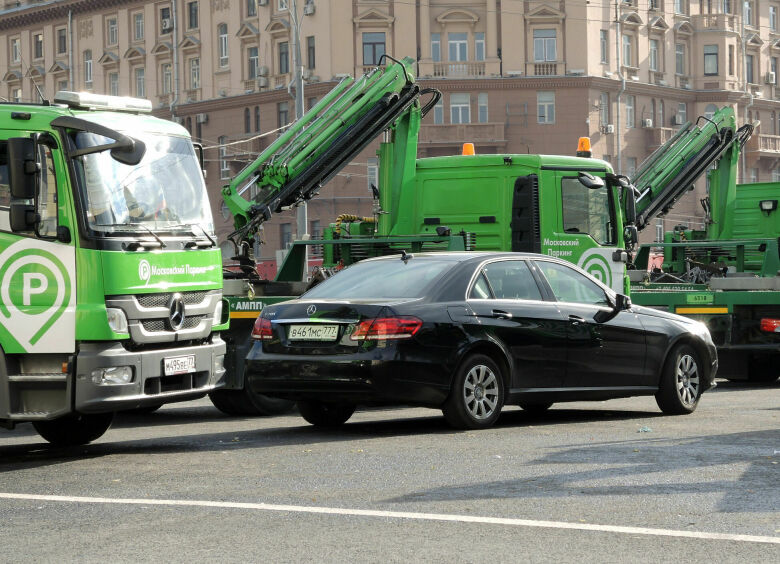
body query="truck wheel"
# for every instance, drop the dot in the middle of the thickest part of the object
(477, 394)
(322, 414)
(680, 387)
(75, 429)
(246, 402)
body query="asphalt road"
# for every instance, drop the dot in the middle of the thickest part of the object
(587, 482)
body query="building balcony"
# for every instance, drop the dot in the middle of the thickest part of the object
(714, 22)
(455, 134)
(764, 145)
(682, 81)
(545, 69)
(658, 77)
(281, 80)
(459, 69)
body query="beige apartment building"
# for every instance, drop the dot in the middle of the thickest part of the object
(517, 76)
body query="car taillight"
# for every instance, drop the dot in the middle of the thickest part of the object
(262, 329)
(386, 328)
(770, 325)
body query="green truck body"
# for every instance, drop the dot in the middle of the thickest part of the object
(109, 299)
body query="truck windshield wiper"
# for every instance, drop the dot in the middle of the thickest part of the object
(137, 244)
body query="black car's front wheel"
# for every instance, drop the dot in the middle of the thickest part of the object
(477, 394)
(323, 414)
(680, 387)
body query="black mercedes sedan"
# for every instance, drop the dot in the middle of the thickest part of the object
(468, 333)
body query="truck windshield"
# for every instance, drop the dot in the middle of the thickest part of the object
(164, 192)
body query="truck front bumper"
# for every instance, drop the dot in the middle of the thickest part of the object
(149, 385)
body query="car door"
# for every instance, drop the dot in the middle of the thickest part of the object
(599, 355)
(507, 303)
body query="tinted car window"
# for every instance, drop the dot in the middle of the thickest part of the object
(480, 290)
(568, 285)
(512, 280)
(382, 279)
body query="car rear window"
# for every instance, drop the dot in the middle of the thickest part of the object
(382, 279)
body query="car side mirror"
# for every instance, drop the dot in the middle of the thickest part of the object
(621, 303)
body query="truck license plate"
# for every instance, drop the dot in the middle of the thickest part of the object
(313, 332)
(179, 365)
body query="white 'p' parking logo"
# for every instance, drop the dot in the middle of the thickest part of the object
(144, 271)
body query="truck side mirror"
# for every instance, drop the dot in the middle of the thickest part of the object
(23, 168)
(630, 205)
(589, 181)
(630, 236)
(22, 216)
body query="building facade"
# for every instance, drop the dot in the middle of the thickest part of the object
(517, 76)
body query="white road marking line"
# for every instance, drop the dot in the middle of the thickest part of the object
(398, 515)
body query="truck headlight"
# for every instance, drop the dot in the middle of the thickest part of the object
(112, 375)
(117, 320)
(217, 320)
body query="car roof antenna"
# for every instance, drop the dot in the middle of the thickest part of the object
(405, 256)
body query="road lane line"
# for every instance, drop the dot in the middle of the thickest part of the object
(398, 515)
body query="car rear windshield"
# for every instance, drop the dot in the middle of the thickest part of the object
(382, 279)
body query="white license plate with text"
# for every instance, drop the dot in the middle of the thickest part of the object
(313, 332)
(179, 365)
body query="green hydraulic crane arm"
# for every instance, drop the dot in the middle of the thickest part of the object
(673, 168)
(319, 144)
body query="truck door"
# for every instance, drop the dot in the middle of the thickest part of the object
(507, 302)
(599, 355)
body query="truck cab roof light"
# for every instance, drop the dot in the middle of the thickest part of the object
(468, 149)
(101, 102)
(583, 147)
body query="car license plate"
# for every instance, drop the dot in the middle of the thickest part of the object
(313, 332)
(179, 365)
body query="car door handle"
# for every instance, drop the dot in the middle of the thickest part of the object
(501, 314)
(576, 319)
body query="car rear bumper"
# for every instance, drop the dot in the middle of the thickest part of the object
(381, 376)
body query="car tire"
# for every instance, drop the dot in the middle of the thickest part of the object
(535, 408)
(680, 386)
(324, 414)
(762, 370)
(75, 429)
(477, 394)
(245, 402)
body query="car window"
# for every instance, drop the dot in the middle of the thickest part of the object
(382, 279)
(512, 280)
(568, 285)
(480, 290)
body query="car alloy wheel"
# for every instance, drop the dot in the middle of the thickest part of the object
(687, 377)
(480, 392)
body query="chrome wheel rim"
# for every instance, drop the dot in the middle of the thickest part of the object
(687, 376)
(480, 392)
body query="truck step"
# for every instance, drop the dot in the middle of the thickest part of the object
(53, 377)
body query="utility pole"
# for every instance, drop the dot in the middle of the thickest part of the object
(297, 83)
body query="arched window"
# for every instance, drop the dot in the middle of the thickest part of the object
(247, 121)
(257, 118)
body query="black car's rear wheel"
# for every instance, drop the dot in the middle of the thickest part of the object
(323, 414)
(477, 394)
(680, 387)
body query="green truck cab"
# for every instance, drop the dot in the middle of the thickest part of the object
(110, 276)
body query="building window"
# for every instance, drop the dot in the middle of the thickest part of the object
(773, 68)
(311, 53)
(138, 26)
(251, 8)
(731, 60)
(748, 13)
(654, 4)
(38, 46)
(659, 230)
(224, 167)
(310, 103)
(679, 58)
(710, 60)
(479, 46)
(113, 83)
(62, 41)
(257, 118)
(604, 108)
(653, 55)
(111, 31)
(222, 45)
(16, 94)
(166, 23)
(545, 105)
(282, 4)
(436, 47)
(773, 18)
(679, 6)
(438, 112)
(460, 108)
(482, 107)
(253, 62)
(660, 120)
(247, 121)
(372, 173)
(604, 43)
(16, 50)
(88, 68)
(682, 111)
(282, 113)
(630, 117)
(749, 69)
(727, 6)
(166, 78)
(285, 234)
(458, 47)
(753, 175)
(710, 110)
(545, 48)
(63, 85)
(192, 15)
(140, 83)
(627, 60)
(284, 57)
(194, 73)
(373, 47)
(630, 166)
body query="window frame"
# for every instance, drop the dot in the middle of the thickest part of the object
(547, 117)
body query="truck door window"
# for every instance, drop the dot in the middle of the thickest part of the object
(47, 195)
(5, 189)
(587, 210)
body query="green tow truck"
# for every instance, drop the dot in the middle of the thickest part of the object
(110, 276)
(575, 208)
